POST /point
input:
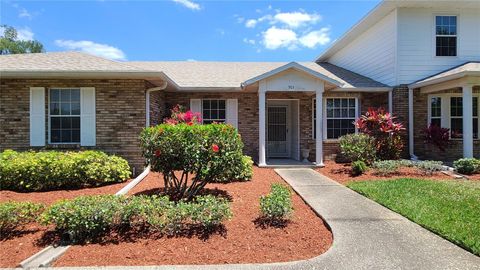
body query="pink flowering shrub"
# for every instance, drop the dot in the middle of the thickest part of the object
(191, 156)
(438, 136)
(381, 125)
(179, 115)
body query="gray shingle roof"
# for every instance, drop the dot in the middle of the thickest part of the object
(232, 74)
(185, 74)
(472, 66)
(61, 61)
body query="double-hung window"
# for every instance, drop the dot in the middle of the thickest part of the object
(451, 112)
(339, 117)
(446, 35)
(436, 111)
(64, 115)
(213, 111)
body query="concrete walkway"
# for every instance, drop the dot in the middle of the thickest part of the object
(366, 234)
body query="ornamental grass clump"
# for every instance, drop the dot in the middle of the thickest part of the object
(14, 215)
(276, 206)
(190, 155)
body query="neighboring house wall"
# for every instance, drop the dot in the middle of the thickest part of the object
(416, 42)
(428, 151)
(120, 115)
(372, 54)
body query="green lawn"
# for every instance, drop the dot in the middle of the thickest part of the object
(449, 208)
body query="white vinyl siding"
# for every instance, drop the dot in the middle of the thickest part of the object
(417, 38)
(37, 116)
(372, 54)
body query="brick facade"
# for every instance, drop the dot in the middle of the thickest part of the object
(427, 151)
(248, 114)
(120, 115)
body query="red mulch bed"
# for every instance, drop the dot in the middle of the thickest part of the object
(21, 245)
(242, 241)
(341, 172)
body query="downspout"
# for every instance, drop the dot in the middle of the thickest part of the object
(410, 125)
(147, 101)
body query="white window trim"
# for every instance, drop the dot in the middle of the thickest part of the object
(49, 116)
(324, 115)
(226, 109)
(445, 110)
(434, 36)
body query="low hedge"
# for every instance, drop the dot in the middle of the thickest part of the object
(48, 170)
(89, 217)
(17, 214)
(467, 165)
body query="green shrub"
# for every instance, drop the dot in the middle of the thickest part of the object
(386, 167)
(240, 171)
(16, 214)
(89, 217)
(358, 147)
(277, 205)
(85, 217)
(209, 211)
(203, 153)
(359, 167)
(429, 166)
(467, 165)
(48, 170)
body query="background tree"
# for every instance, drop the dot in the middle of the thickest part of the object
(10, 44)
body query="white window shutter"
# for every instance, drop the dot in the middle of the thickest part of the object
(196, 105)
(37, 116)
(232, 112)
(87, 119)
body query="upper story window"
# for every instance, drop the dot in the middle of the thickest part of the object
(64, 115)
(446, 35)
(213, 110)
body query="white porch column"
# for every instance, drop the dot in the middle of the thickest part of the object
(467, 121)
(390, 101)
(261, 123)
(319, 126)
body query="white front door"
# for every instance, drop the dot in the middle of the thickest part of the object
(278, 135)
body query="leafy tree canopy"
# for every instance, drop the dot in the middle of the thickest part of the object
(10, 44)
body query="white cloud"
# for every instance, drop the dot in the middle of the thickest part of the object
(188, 4)
(296, 19)
(23, 13)
(251, 23)
(102, 50)
(249, 41)
(312, 39)
(24, 34)
(275, 38)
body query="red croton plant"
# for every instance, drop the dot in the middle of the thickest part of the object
(386, 131)
(438, 136)
(180, 115)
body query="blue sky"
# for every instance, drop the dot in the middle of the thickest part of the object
(186, 29)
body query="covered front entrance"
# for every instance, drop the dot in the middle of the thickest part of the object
(282, 129)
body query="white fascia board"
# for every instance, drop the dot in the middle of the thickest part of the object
(81, 74)
(296, 66)
(362, 89)
(444, 79)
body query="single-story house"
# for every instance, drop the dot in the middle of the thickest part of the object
(402, 56)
